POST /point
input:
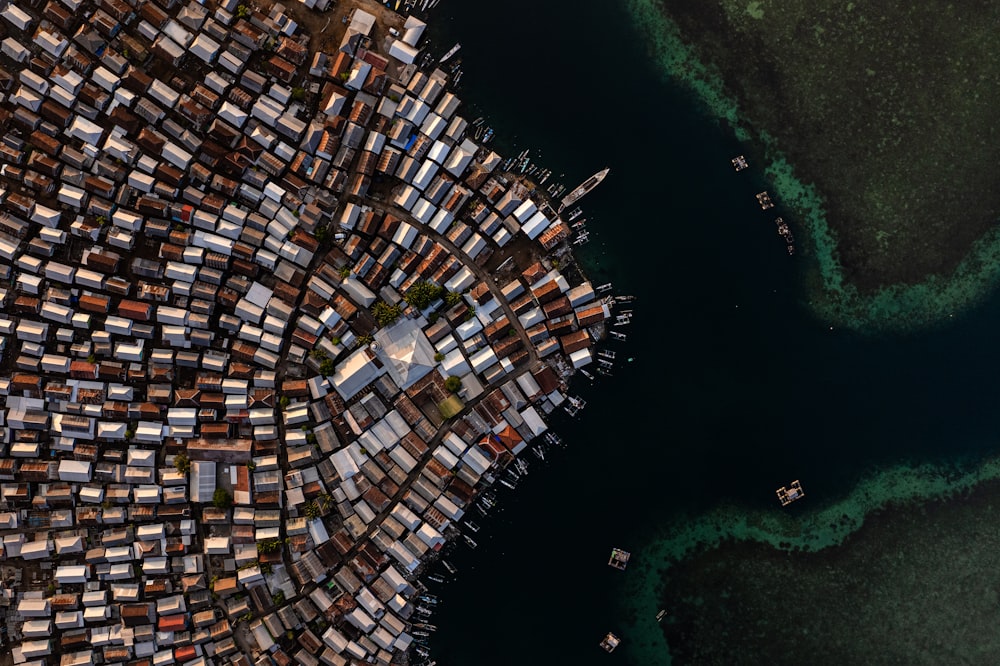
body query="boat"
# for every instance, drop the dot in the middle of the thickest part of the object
(424, 610)
(508, 484)
(539, 453)
(586, 374)
(583, 189)
(601, 288)
(604, 372)
(469, 541)
(619, 558)
(435, 578)
(659, 616)
(425, 626)
(575, 213)
(421, 633)
(423, 652)
(739, 162)
(620, 337)
(452, 51)
(624, 299)
(488, 136)
(472, 526)
(429, 598)
(450, 567)
(522, 465)
(604, 353)
(610, 642)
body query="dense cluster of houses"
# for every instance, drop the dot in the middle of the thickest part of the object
(213, 452)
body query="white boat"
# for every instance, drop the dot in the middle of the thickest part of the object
(469, 541)
(452, 51)
(583, 189)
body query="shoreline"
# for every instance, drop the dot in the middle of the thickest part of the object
(890, 308)
(787, 532)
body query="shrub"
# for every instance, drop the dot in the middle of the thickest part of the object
(385, 314)
(423, 293)
(439, 357)
(221, 499)
(453, 383)
(182, 463)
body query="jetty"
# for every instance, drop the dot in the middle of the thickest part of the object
(610, 642)
(791, 493)
(619, 559)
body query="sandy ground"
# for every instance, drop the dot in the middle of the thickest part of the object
(326, 29)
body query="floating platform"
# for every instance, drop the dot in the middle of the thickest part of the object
(790, 494)
(739, 163)
(610, 642)
(764, 199)
(619, 558)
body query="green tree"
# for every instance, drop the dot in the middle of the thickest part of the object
(453, 383)
(385, 314)
(182, 463)
(452, 298)
(298, 94)
(327, 367)
(345, 272)
(312, 511)
(221, 499)
(439, 357)
(423, 293)
(284, 401)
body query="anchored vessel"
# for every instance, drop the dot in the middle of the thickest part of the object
(586, 187)
(793, 492)
(452, 51)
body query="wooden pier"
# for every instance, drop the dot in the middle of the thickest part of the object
(793, 492)
(619, 558)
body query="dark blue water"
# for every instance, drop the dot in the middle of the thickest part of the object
(735, 390)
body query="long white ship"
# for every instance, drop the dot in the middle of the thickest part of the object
(586, 187)
(452, 51)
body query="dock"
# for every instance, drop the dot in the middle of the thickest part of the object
(787, 495)
(610, 642)
(619, 558)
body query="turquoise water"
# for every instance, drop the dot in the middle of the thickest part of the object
(737, 387)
